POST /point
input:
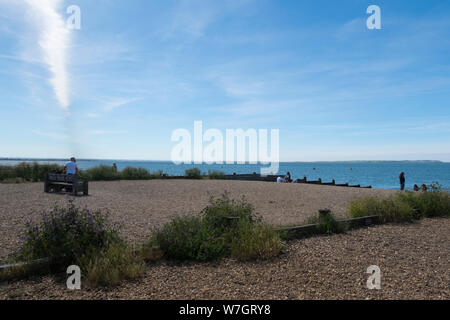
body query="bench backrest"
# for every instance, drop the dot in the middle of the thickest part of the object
(56, 177)
(53, 177)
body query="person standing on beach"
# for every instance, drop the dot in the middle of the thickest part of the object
(402, 181)
(71, 167)
(287, 178)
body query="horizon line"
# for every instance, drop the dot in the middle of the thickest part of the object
(204, 163)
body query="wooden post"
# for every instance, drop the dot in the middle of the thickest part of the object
(46, 182)
(85, 187)
(75, 185)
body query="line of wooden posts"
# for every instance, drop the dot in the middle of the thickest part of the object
(273, 178)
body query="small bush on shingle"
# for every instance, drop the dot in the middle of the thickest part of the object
(193, 173)
(131, 173)
(390, 209)
(223, 228)
(65, 233)
(328, 224)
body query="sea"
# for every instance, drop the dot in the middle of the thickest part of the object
(378, 174)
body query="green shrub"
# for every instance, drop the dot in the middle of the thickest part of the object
(23, 271)
(222, 213)
(193, 173)
(390, 209)
(39, 170)
(188, 238)
(110, 266)
(6, 172)
(158, 175)
(218, 175)
(100, 173)
(255, 242)
(211, 234)
(131, 173)
(70, 235)
(66, 233)
(24, 172)
(405, 206)
(433, 203)
(34, 172)
(14, 180)
(328, 224)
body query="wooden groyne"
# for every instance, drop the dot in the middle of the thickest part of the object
(273, 178)
(253, 177)
(268, 178)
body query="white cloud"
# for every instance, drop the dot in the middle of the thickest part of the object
(106, 132)
(54, 40)
(193, 17)
(351, 29)
(111, 105)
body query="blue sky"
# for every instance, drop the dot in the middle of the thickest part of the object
(137, 70)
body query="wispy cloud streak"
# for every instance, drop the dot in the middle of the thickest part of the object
(54, 39)
(119, 103)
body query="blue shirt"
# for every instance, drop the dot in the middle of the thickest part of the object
(71, 167)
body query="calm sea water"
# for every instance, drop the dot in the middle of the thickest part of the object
(378, 174)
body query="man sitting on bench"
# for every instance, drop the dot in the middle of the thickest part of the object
(71, 167)
(69, 181)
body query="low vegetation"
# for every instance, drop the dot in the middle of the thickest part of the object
(65, 233)
(14, 180)
(327, 223)
(100, 173)
(433, 203)
(255, 242)
(26, 172)
(35, 172)
(112, 265)
(188, 238)
(21, 271)
(131, 173)
(225, 227)
(405, 206)
(71, 235)
(193, 173)
(390, 209)
(217, 175)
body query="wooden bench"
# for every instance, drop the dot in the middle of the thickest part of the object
(57, 182)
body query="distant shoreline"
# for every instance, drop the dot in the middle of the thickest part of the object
(169, 161)
(378, 174)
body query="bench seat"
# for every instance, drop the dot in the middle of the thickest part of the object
(57, 182)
